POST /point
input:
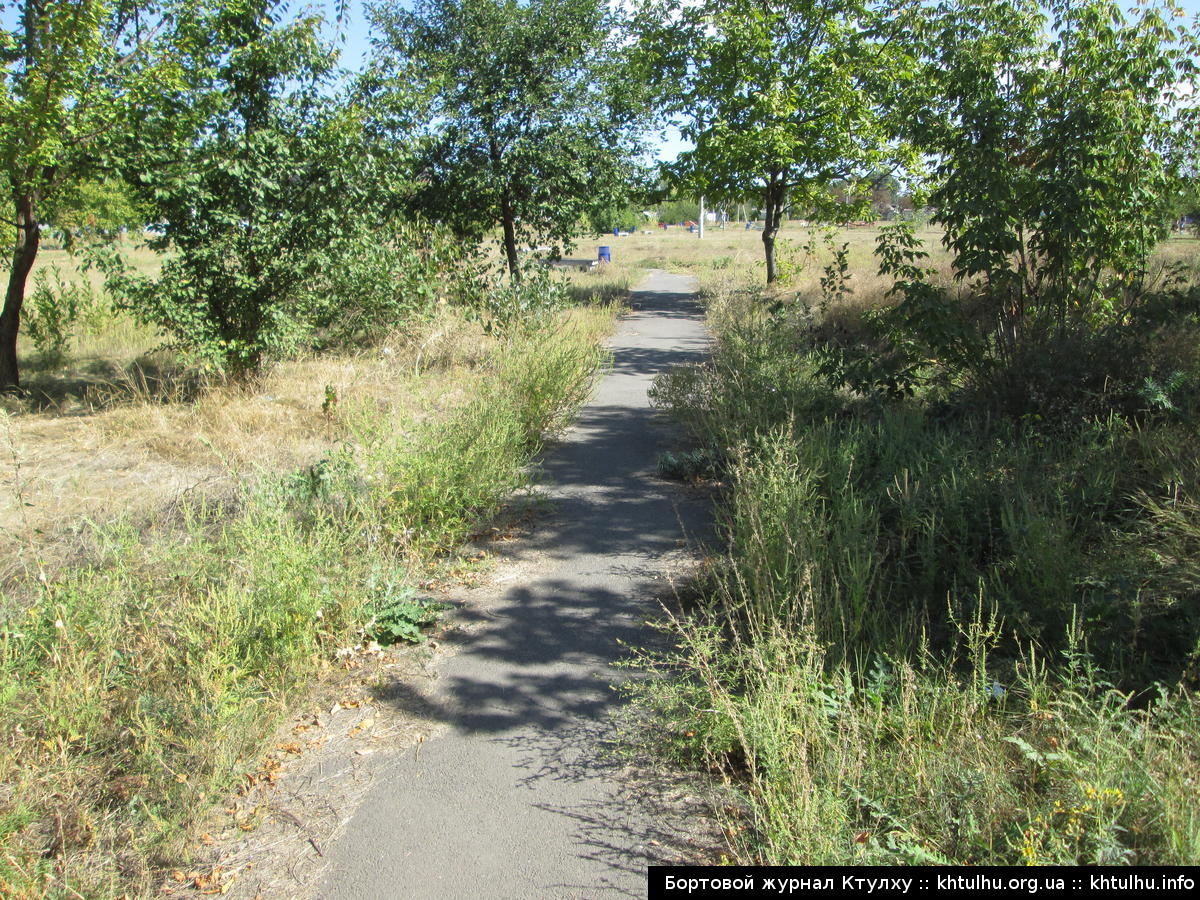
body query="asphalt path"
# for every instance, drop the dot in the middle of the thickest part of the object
(520, 796)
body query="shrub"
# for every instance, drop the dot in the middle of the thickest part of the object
(253, 209)
(381, 278)
(883, 517)
(942, 345)
(53, 309)
(502, 303)
(547, 370)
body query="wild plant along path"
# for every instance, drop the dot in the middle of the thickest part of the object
(518, 796)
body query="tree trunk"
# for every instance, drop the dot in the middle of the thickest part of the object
(24, 253)
(772, 217)
(768, 239)
(508, 217)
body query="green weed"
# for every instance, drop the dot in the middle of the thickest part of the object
(137, 685)
(397, 614)
(932, 638)
(882, 761)
(700, 464)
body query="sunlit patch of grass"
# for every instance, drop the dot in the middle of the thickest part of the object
(890, 761)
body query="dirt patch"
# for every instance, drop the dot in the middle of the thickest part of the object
(269, 839)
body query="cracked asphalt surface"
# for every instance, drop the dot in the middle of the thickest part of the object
(518, 796)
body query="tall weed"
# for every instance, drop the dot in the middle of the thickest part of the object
(886, 761)
(933, 638)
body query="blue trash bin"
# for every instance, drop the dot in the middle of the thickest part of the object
(605, 254)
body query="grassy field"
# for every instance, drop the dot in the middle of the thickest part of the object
(181, 557)
(929, 636)
(733, 257)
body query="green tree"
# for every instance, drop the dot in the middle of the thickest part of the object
(885, 192)
(525, 124)
(80, 77)
(97, 207)
(781, 97)
(1185, 200)
(1060, 134)
(264, 201)
(1060, 131)
(623, 216)
(677, 209)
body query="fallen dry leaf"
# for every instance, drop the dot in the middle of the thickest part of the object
(301, 727)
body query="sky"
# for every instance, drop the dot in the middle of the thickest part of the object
(357, 47)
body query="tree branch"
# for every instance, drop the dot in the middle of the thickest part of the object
(141, 45)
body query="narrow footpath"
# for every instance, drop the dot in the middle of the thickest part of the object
(519, 796)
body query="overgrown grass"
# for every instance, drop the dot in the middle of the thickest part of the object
(136, 684)
(934, 638)
(928, 760)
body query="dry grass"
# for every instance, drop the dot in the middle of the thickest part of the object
(130, 446)
(1179, 251)
(145, 661)
(733, 256)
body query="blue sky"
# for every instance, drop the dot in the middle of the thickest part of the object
(357, 47)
